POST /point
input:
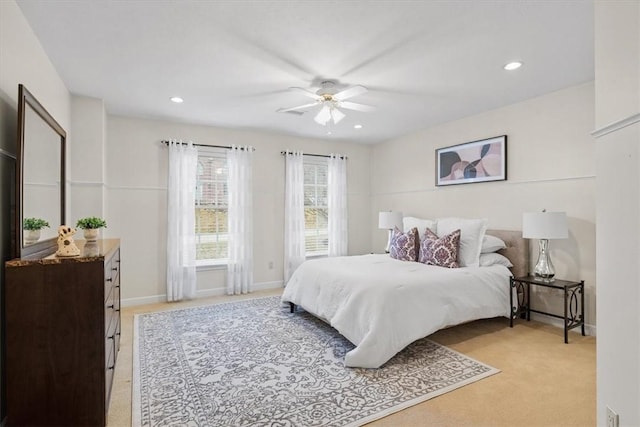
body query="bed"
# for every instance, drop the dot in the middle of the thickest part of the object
(381, 304)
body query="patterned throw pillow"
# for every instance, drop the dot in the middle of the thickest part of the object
(404, 246)
(442, 251)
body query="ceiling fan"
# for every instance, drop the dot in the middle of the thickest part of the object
(330, 99)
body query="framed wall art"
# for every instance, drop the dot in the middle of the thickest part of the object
(476, 161)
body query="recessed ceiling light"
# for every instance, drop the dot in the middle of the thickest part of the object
(513, 65)
(357, 126)
(328, 132)
(177, 99)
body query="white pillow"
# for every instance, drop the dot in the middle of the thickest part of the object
(409, 222)
(487, 260)
(491, 244)
(471, 235)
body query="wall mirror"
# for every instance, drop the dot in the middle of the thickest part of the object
(40, 177)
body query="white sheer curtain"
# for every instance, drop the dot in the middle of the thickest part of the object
(240, 217)
(337, 204)
(294, 249)
(181, 240)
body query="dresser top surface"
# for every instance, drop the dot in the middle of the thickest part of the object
(89, 252)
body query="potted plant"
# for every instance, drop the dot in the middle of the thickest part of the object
(31, 228)
(91, 225)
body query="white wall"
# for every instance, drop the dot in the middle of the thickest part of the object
(617, 56)
(136, 178)
(550, 162)
(86, 158)
(25, 61)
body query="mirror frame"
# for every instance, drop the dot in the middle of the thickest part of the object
(46, 246)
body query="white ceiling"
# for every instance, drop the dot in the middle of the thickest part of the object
(424, 62)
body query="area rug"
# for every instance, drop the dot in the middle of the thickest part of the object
(252, 363)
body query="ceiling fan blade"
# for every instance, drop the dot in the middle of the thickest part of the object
(299, 107)
(337, 115)
(323, 116)
(350, 92)
(355, 106)
(306, 92)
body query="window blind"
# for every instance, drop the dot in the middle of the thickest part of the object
(211, 207)
(316, 213)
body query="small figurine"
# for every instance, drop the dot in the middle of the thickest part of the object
(66, 246)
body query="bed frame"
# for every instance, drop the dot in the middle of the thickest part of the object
(517, 251)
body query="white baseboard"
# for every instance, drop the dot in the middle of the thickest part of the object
(268, 285)
(588, 329)
(131, 302)
(202, 293)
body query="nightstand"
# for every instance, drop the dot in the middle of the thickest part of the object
(573, 301)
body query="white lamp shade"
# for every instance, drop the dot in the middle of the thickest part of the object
(545, 225)
(388, 220)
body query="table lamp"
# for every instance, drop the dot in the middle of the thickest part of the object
(388, 220)
(544, 226)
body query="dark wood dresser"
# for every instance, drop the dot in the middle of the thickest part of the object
(62, 336)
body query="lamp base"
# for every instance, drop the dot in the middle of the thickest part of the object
(546, 279)
(544, 270)
(386, 250)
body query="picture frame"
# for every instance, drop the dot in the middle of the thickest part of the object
(483, 160)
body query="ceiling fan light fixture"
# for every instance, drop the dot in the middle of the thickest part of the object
(323, 116)
(329, 98)
(337, 115)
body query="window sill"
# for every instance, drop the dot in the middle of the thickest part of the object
(316, 255)
(218, 264)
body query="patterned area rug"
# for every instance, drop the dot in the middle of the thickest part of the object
(252, 363)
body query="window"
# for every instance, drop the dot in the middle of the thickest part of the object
(211, 208)
(316, 212)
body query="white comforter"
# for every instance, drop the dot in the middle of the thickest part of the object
(382, 305)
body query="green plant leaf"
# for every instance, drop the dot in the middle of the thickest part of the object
(91, 222)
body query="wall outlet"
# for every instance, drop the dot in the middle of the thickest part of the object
(612, 418)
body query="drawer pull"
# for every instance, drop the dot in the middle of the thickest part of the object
(117, 310)
(110, 306)
(115, 268)
(111, 337)
(111, 367)
(109, 279)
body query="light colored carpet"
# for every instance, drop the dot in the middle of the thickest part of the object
(252, 363)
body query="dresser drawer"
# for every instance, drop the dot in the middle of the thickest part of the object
(117, 340)
(116, 317)
(109, 348)
(108, 371)
(108, 279)
(115, 266)
(110, 314)
(116, 295)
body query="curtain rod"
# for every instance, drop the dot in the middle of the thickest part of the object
(314, 155)
(228, 147)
